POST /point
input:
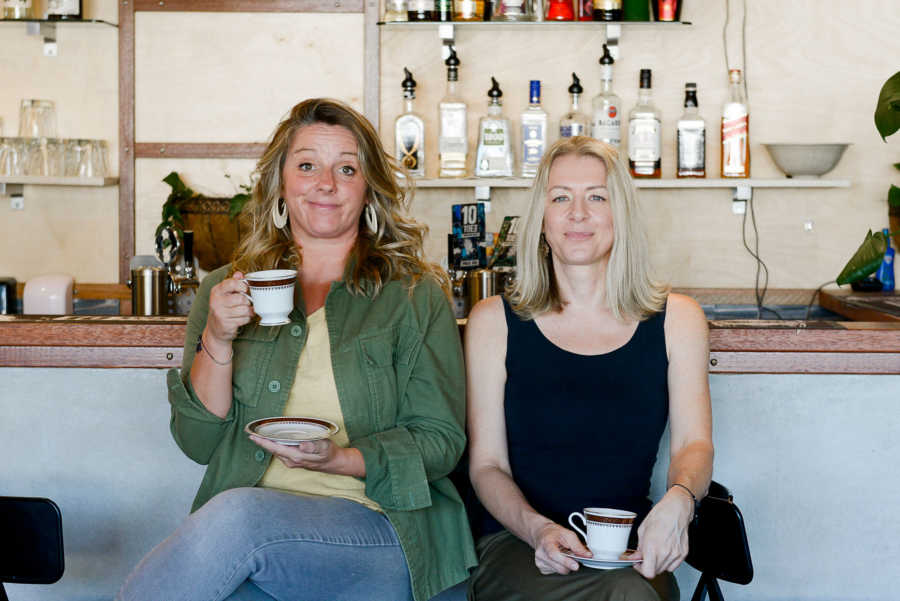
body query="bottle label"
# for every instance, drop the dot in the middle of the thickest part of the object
(421, 5)
(735, 123)
(18, 4)
(453, 129)
(494, 136)
(607, 126)
(571, 129)
(643, 140)
(607, 4)
(691, 149)
(667, 9)
(62, 7)
(409, 145)
(532, 142)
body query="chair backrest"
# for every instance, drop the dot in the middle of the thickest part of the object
(718, 545)
(31, 543)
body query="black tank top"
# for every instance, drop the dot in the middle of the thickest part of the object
(584, 430)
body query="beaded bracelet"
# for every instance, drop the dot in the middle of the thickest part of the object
(202, 347)
(693, 498)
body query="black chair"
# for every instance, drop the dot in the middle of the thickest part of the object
(31, 543)
(718, 544)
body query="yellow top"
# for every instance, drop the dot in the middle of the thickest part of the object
(314, 394)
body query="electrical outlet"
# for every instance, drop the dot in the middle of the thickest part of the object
(17, 203)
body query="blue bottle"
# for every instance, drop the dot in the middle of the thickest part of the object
(886, 271)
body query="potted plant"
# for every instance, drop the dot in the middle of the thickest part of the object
(213, 220)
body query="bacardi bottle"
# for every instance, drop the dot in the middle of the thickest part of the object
(735, 160)
(534, 131)
(494, 157)
(453, 143)
(409, 131)
(574, 123)
(691, 137)
(606, 124)
(644, 130)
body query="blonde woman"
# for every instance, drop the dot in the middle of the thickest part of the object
(371, 345)
(571, 380)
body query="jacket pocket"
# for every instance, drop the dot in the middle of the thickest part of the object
(377, 354)
(252, 351)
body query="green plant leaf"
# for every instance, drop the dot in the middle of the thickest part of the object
(894, 197)
(897, 165)
(237, 204)
(887, 111)
(865, 260)
(178, 187)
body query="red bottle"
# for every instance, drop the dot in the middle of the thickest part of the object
(560, 10)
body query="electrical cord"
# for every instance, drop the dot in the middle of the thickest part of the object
(761, 268)
(813, 299)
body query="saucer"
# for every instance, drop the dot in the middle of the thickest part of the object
(292, 430)
(605, 563)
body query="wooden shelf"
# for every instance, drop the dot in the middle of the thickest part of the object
(527, 182)
(40, 180)
(525, 24)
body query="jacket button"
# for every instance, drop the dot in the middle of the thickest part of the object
(274, 386)
(296, 331)
(260, 455)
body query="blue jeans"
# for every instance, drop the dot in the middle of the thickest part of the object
(255, 544)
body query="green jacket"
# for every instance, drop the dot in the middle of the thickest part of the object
(400, 379)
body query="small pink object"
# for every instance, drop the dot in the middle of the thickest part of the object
(48, 295)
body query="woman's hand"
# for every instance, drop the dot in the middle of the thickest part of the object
(663, 535)
(317, 455)
(549, 542)
(228, 310)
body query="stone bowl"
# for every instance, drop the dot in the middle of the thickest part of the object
(806, 160)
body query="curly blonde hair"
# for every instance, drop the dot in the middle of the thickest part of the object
(394, 252)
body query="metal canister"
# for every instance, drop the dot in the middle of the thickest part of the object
(482, 284)
(149, 290)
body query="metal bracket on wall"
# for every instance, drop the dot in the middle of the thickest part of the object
(446, 33)
(613, 33)
(16, 193)
(46, 31)
(742, 193)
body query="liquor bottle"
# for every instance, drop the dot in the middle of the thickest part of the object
(574, 123)
(420, 10)
(64, 9)
(735, 161)
(534, 131)
(444, 10)
(468, 10)
(395, 11)
(585, 10)
(513, 10)
(453, 143)
(495, 156)
(691, 137)
(409, 131)
(607, 120)
(644, 133)
(607, 10)
(560, 10)
(18, 9)
(666, 10)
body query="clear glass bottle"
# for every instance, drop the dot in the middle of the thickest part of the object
(409, 131)
(512, 10)
(444, 10)
(644, 120)
(735, 158)
(494, 157)
(574, 123)
(18, 9)
(453, 142)
(64, 10)
(395, 11)
(534, 131)
(690, 137)
(420, 10)
(468, 10)
(606, 124)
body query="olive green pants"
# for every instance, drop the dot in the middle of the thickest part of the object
(506, 572)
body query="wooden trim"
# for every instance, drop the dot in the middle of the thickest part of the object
(190, 150)
(96, 356)
(844, 339)
(804, 363)
(251, 6)
(126, 138)
(372, 64)
(90, 291)
(85, 334)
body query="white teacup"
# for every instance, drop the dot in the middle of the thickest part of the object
(272, 294)
(607, 530)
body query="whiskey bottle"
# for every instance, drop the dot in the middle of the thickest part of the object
(453, 143)
(644, 133)
(574, 123)
(534, 131)
(607, 10)
(395, 11)
(735, 161)
(468, 10)
(409, 131)
(64, 10)
(420, 10)
(606, 125)
(18, 9)
(690, 137)
(494, 157)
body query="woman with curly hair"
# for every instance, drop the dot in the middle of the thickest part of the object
(371, 345)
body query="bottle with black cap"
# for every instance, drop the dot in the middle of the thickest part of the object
(574, 123)
(409, 131)
(453, 142)
(644, 120)
(606, 124)
(494, 157)
(690, 137)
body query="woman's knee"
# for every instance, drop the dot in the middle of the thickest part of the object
(628, 585)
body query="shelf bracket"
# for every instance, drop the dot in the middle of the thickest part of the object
(613, 33)
(16, 193)
(742, 193)
(48, 32)
(483, 194)
(446, 33)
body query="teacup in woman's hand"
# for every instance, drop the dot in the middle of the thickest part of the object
(272, 294)
(607, 530)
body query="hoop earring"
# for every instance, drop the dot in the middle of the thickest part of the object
(543, 247)
(279, 213)
(371, 218)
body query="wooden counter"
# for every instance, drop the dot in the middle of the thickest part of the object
(862, 306)
(735, 346)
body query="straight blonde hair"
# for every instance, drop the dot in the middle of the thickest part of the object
(394, 252)
(631, 292)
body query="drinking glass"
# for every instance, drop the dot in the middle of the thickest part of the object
(11, 159)
(100, 157)
(37, 119)
(37, 158)
(56, 155)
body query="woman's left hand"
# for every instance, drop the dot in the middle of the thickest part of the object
(663, 535)
(318, 455)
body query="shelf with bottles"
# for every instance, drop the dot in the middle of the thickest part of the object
(527, 182)
(46, 28)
